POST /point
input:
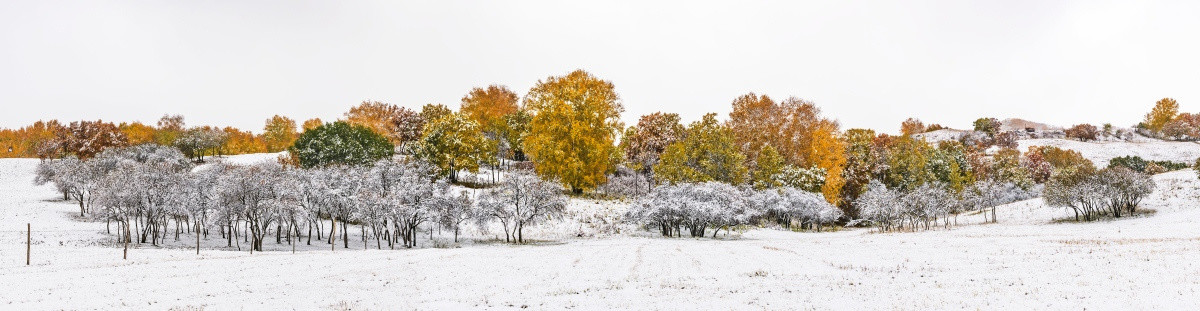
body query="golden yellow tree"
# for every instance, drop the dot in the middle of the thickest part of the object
(241, 142)
(137, 133)
(311, 124)
(1164, 111)
(575, 119)
(279, 133)
(432, 112)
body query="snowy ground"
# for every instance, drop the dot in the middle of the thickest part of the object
(1026, 261)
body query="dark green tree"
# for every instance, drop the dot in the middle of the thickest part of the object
(340, 143)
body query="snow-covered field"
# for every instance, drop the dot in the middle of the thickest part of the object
(1026, 261)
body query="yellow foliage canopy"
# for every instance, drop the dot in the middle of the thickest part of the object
(575, 120)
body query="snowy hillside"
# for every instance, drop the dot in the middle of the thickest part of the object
(1101, 152)
(1026, 261)
(1015, 124)
(941, 135)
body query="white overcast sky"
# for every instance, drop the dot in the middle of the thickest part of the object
(868, 64)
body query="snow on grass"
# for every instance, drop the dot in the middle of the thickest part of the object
(1026, 261)
(1101, 152)
(248, 159)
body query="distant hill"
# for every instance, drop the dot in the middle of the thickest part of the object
(1014, 124)
(941, 135)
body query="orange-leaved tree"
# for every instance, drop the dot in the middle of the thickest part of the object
(796, 129)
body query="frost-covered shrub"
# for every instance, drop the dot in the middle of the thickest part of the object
(200, 141)
(807, 179)
(1196, 167)
(808, 209)
(1111, 192)
(919, 208)
(1141, 165)
(1155, 169)
(880, 206)
(1005, 140)
(988, 194)
(625, 183)
(694, 206)
(523, 199)
(1135, 163)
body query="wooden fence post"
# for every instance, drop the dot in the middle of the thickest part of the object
(125, 255)
(28, 241)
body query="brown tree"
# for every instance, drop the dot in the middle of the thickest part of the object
(753, 121)
(1083, 132)
(644, 143)
(1185, 126)
(85, 139)
(912, 126)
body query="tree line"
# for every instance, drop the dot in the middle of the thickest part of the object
(567, 130)
(150, 193)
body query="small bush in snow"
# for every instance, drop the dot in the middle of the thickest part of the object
(694, 206)
(1113, 191)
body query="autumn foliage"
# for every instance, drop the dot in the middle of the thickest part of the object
(567, 128)
(796, 130)
(1164, 111)
(574, 124)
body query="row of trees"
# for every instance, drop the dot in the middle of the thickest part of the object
(1165, 121)
(567, 127)
(149, 190)
(698, 207)
(85, 139)
(921, 207)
